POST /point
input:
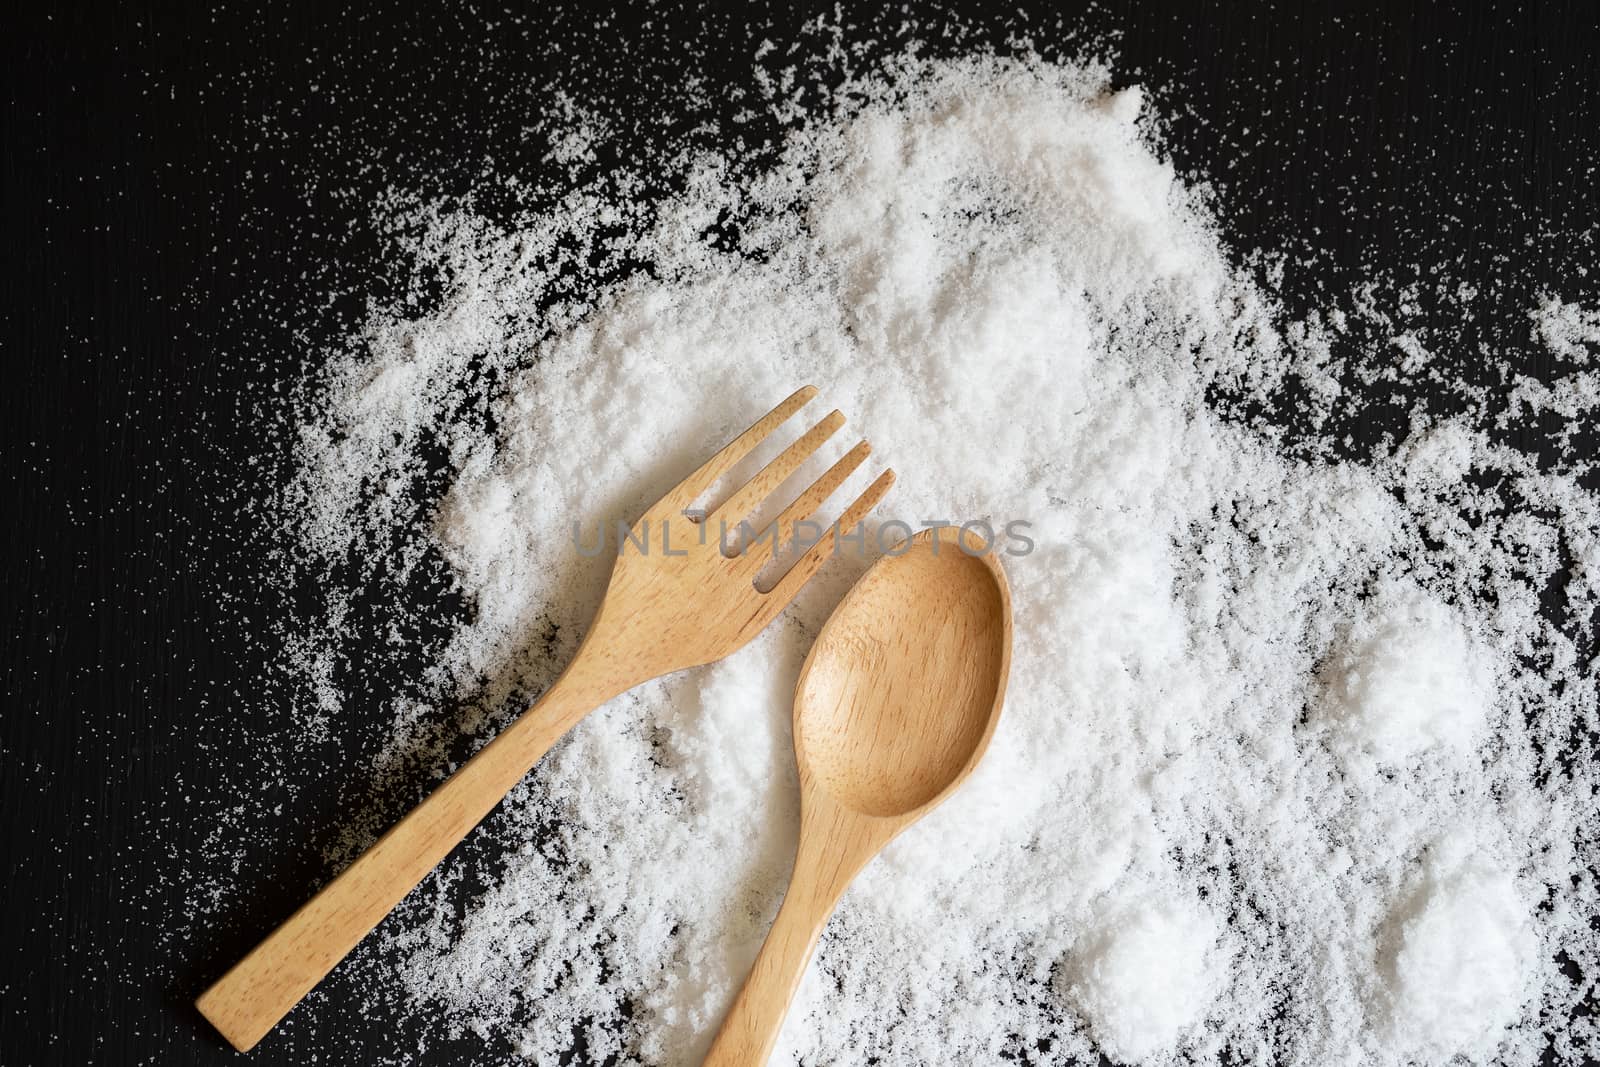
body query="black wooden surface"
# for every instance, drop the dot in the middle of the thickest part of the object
(174, 185)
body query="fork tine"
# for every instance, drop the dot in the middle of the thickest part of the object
(808, 564)
(777, 472)
(735, 450)
(805, 505)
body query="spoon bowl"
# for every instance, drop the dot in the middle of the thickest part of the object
(901, 691)
(893, 709)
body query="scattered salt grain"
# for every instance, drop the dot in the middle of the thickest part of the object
(1568, 330)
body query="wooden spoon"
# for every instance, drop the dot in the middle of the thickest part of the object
(894, 707)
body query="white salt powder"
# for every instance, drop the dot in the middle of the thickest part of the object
(1456, 963)
(1569, 331)
(1406, 679)
(1143, 979)
(1250, 693)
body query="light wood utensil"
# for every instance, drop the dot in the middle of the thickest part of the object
(663, 612)
(894, 707)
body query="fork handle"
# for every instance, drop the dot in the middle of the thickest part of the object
(261, 988)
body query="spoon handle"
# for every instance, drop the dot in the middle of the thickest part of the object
(752, 1024)
(832, 850)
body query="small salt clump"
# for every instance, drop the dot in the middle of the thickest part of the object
(1144, 978)
(1406, 679)
(1455, 962)
(1569, 331)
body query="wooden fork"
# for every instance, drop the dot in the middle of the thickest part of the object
(662, 612)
